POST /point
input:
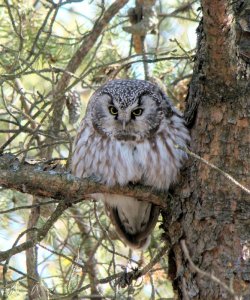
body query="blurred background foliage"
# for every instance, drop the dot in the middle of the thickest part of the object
(38, 38)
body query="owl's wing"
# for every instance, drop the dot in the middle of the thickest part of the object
(134, 220)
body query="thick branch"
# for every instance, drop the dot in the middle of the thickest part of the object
(37, 180)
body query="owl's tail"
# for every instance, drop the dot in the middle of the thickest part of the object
(133, 220)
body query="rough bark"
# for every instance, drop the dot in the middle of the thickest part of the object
(209, 213)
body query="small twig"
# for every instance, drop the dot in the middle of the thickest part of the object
(181, 47)
(63, 255)
(155, 259)
(24, 127)
(229, 177)
(19, 272)
(38, 236)
(126, 278)
(90, 266)
(33, 122)
(144, 56)
(205, 274)
(133, 275)
(27, 206)
(8, 257)
(184, 289)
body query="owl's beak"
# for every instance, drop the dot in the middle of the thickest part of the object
(123, 119)
(124, 124)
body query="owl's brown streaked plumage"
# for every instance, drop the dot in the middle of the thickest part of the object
(129, 134)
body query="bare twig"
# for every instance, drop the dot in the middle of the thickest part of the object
(90, 266)
(229, 177)
(64, 256)
(28, 206)
(38, 235)
(24, 127)
(212, 277)
(19, 272)
(119, 277)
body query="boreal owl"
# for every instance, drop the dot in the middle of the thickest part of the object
(129, 135)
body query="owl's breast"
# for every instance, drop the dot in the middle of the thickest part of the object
(154, 162)
(126, 167)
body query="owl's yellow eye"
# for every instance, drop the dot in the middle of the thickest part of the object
(137, 112)
(113, 110)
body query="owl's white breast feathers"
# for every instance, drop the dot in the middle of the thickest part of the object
(154, 162)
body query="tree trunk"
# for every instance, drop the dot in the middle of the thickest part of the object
(209, 212)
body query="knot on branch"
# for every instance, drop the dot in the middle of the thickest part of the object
(9, 160)
(126, 278)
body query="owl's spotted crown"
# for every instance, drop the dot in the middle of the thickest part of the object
(127, 92)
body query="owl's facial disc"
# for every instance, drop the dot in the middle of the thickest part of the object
(134, 122)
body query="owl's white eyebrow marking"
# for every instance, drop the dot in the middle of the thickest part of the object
(140, 100)
(110, 100)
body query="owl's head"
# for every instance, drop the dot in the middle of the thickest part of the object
(127, 110)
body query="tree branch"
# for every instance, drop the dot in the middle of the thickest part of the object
(37, 179)
(87, 43)
(38, 235)
(123, 278)
(31, 254)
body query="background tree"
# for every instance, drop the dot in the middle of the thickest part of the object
(53, 55)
